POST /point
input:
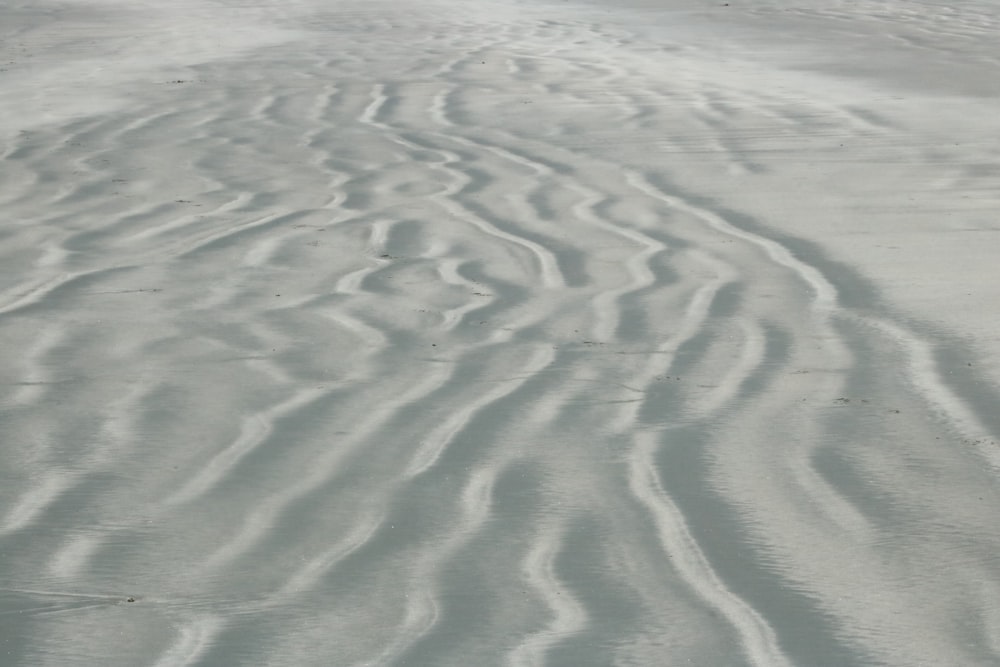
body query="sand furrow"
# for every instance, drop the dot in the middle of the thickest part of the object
(568, 615)
(758, 638)
(260, 521)
(483, 217)
(423, 614)
(254, 432)
(194, 637)
(434, 445)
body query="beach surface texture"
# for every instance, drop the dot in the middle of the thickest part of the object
(499, 332)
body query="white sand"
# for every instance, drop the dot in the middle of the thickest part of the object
(499, 332)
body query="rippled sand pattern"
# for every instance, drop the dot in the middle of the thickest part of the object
(374, 346)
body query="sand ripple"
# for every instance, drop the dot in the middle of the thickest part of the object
(432, 337)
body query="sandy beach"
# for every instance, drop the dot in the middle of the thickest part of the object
(499, 332)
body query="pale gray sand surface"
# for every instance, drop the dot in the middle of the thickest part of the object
(499, 333)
